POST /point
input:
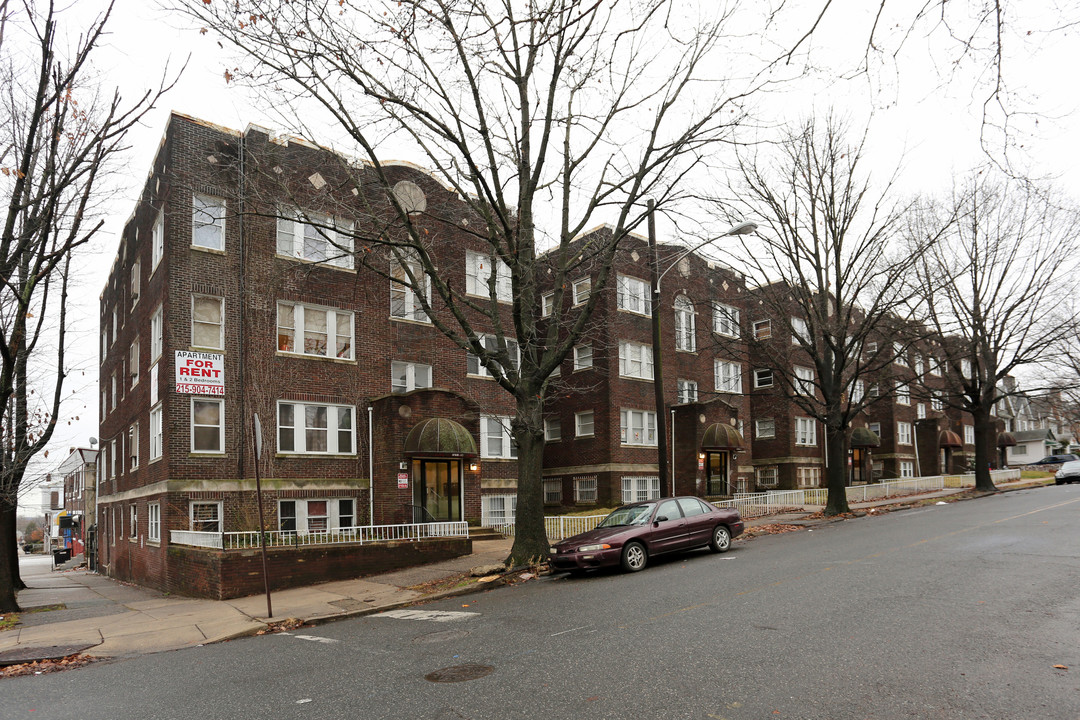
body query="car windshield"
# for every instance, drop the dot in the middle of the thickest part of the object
(631, 515)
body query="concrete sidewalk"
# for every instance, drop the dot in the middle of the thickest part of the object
(106, 618)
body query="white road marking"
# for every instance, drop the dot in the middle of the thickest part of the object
(428, 615)
(316, 638)
(569, 631)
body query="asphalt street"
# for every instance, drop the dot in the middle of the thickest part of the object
(950, 611)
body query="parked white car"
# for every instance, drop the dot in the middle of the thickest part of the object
(1068, 473)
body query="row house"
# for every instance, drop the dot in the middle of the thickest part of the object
(79, 475)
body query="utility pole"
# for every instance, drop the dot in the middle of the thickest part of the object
(657, 357)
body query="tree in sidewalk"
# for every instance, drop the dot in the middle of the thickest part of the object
(545, 117)
(831, 279)
(59, 138)
(995, 283)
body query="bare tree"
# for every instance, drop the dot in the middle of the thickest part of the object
(550, 109)
(58, 137)
(830, 277)
(995, 284)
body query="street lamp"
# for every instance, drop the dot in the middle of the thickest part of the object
(742, 228)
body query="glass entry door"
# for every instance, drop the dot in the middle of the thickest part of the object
(716, 473)
(438, 489)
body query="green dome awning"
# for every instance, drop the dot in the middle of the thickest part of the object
(862, 437)
(440, 436)
(721, 436)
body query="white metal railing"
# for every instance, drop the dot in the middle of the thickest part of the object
(360, 534)
(766, 503)
(968, 479)
(557, 527)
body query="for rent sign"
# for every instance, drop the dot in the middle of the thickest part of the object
(200, 373)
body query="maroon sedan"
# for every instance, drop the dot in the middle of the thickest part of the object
(633, 533)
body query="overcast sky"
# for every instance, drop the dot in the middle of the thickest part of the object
(929, 125)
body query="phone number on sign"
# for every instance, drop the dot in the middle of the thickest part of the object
(190, 389)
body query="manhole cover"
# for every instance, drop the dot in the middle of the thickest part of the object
(459, 673)
(444, 636)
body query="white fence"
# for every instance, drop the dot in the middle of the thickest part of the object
(359, 535)
(557, 527)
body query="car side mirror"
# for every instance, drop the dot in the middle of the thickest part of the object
(661, 518)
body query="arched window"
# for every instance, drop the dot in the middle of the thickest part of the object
(684, 324)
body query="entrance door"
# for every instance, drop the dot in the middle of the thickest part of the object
(438, 489)
(716, 473)
(857, 474)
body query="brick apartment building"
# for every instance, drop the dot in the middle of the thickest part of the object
(79, 474)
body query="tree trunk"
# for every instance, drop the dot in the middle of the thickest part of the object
(530, 537)
(983, 481)
(836, 473)
(10, 550)
(7, 581)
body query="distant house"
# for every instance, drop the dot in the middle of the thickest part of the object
(1031, 445)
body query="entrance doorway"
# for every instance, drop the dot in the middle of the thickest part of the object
(437, 490)
(858, 470)
(716, 472)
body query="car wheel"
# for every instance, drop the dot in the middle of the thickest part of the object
(634, 557)
(721, 539)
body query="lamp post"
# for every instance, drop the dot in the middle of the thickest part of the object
(743, 228)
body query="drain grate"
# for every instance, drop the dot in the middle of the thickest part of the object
(459, 673)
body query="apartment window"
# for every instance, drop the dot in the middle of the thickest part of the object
(728, 376)
(552, 492)
(907, 469)
(320, 515)
(805, 431)
(114, 395)
(552, 429)
(491, 344)
(903, 433)
(496, 440)
(903, 394)
(404, 301)
(498, 509)
(969, 434)
(153, 522)
(874, 390)
(919, 365)
(898, 354)
(316, 429)
(582, 357)
(767, 476)
(547, 304)
(875, 428)
(965, 369)
(1020, 450)
(205, 516)
(112, 459)
(115, 327)
(407, 376)
(208, 322)
(634, 295)
(156, 326)
(687, 391)
(765, 428)
(920, 411)
(684, 325)
(725, 320)
(638, 427)
(584, 423)
(136, 280)
(858, 391)
(763, 377)
(935, 366)
(800, 332)
(635, 360)
(208, 222)
(157, 240)
(133, 362)
(104, 345)
(762, 329)
(870, 348)
(804, 380)
(133, 445)
(326, 332)
(315, 238)
(582, 290)
(478, 276)
(155, 433)
(808, 477)
(639, 489)
(585, 489)
(133, 523)
(935, 401)
(207, 425)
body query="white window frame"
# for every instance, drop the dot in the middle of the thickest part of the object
(804, 380)
(585, 489)
(687, 391)
(640, 488)
(635, 360)
(397, 367)
(156, 437)
(292, 242)
(805, 432)
(404, 302)
(192, 504)
(765, 428)
(898, 354)
(903, 433)
(903, 394)
(727, 376)
(633, 295)
(157, 326)
(969, 434)
(767, 476)
(934, 366)
(133, 447)
(920, 411)
(582, 290)
(153, 522)
(303, 516)
(478, 277)
(725, 320)
(553, 492)
(552, 429)
(208, 211)
(221, 326)
(300, 331)
(133, 361)
(685, 325)
(299, 428)
(808, 476)
(580, 425)
(133, 521)
(920, 366)
(547, 304)
(136, 283)
(221, 428)
(800, 332)
(965, 368)
(583, 357)
(858, 391)
(907, 469)
(936, 403)
(497, 425)
(875, 428)
(638, 427)
(762, 329)
(758, 378)
(474, 367)
(157, 240)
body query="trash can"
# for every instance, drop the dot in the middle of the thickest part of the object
(61, 555)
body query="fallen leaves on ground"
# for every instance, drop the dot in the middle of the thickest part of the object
(41, 667)
(770, 529)
(281, 626)
(442, 584)
(1061, 667)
